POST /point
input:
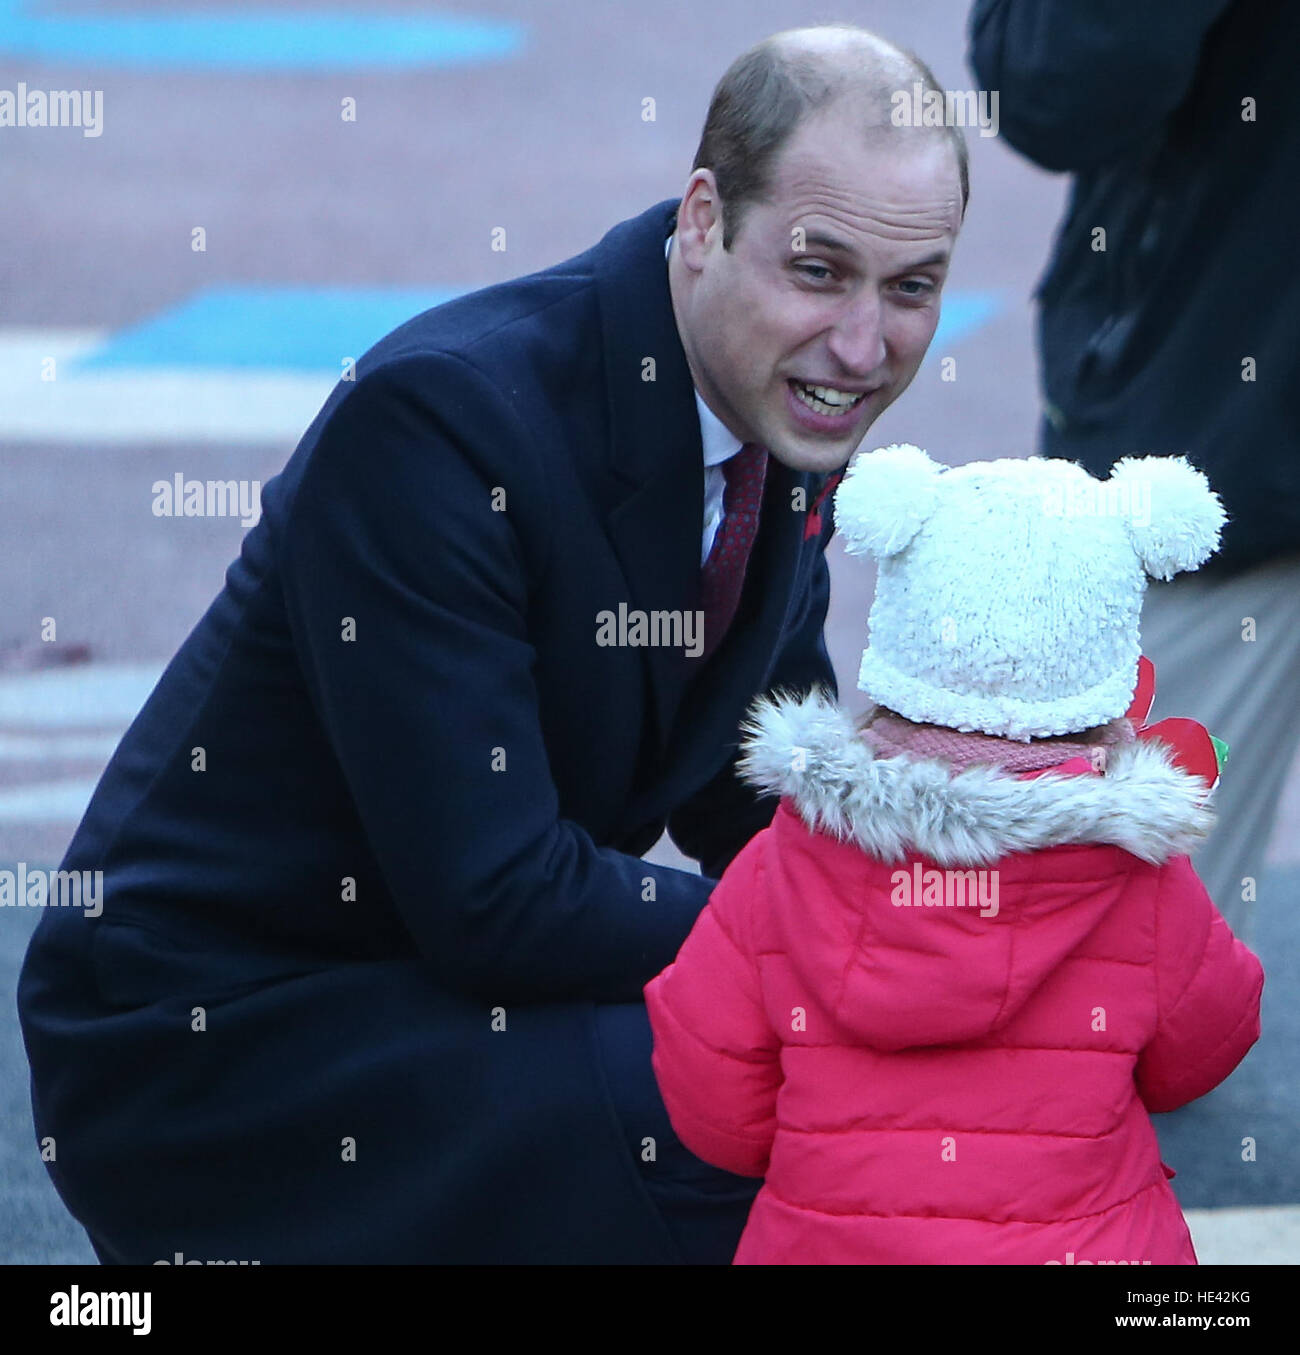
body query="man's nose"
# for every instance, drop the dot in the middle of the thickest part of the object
(857, 340)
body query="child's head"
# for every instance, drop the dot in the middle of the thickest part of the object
(1010, 591)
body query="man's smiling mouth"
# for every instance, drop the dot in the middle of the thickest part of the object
(827, 399)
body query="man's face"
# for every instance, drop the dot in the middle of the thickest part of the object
(832, 282)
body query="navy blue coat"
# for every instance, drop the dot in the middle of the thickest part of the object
(422, 792)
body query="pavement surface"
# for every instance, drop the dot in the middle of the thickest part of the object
(255, 194)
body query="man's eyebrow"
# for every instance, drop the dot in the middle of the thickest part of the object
(815, 239)
(827, 242)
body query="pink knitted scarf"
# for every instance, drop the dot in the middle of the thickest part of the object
(891, 735)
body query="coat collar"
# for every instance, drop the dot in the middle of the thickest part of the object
(807, 750)
(656, 519)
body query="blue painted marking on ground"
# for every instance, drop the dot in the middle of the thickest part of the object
(254, 39)
(285, 328)
(313, 329)
(963, 313)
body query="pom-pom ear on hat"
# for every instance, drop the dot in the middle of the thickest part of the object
(885, 498)
(1173, 516)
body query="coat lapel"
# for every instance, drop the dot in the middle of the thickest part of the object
(656, 517)
(656, 455)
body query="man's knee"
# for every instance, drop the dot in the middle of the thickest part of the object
(703, 1207)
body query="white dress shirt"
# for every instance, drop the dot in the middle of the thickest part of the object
(720, 444)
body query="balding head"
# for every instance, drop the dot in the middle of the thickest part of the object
(842, 52)
(770, 89)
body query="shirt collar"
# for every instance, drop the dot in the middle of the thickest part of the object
(720, 443)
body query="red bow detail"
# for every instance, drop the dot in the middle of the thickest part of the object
(1190, 743)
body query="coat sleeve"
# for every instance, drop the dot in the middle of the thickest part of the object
(408, 600)
(1208, 988)
(1080, 85)
(716, 1055)
(716, 822)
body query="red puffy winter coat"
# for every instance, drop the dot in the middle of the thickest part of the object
(934, 1009)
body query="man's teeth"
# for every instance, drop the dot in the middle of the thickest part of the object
(826, 399)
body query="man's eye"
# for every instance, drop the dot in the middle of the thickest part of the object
(816, 271)
(916, 287)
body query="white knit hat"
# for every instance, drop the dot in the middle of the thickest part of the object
(1010, 591)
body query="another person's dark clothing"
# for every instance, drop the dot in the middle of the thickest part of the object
(1177, 120)
(371, 849)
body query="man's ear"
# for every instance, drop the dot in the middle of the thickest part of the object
(885, 498)
(700, 210)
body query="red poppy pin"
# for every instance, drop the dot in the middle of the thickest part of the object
(813, 526)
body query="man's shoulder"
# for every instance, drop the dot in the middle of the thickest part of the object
(498, 316)
(482, 376)
(497, 325)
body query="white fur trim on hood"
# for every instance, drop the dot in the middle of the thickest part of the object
(807, 749)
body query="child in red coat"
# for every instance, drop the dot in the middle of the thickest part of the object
(935, 1001)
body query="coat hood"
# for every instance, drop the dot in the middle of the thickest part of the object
(955, 894)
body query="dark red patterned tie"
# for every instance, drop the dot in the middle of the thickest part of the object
(724, 571)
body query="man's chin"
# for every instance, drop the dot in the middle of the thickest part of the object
(821, 463)
(821, 455)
